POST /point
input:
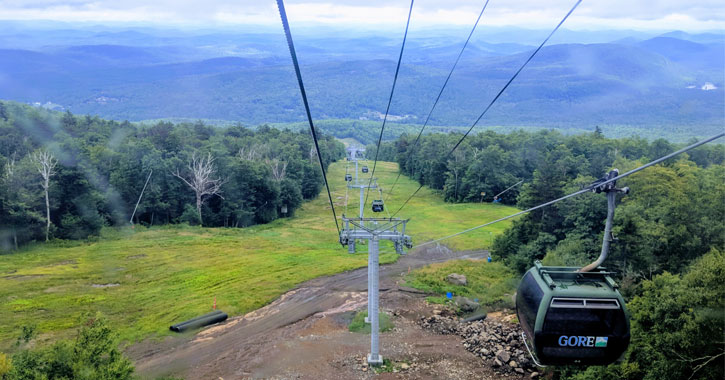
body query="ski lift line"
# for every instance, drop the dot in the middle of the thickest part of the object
(585, 190)
(390, 99)
(347, 188)
(290, 44)
(435, 103)
(509, 188)
(516, 74)
(533, 54)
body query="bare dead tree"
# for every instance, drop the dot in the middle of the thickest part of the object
(248, 154)
(279, 168)
(10, 167)
(45, 163)
(459, 156)
(200, 179)
(9, 175)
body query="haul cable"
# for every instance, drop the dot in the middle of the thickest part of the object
(516, 74)
(410, 154)
(390, 99)
(288, 34)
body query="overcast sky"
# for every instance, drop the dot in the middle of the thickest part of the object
(691, 15)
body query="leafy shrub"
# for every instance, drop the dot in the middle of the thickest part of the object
(92, 355)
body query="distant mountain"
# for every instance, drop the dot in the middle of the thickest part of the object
(698, 37)
(659, 83)
(693, 55)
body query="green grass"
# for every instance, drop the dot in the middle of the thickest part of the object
(492, 284)
(386, 367)
(172, 273)
(358, 324)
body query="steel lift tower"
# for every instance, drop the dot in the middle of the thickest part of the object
(374, 230)
(355, 153)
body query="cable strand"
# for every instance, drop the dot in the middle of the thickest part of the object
(390, 99)
(290, 44)
(435, 103)
(516, 74)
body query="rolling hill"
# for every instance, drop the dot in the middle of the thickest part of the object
(672, 82)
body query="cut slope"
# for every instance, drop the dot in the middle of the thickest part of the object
(170, 274)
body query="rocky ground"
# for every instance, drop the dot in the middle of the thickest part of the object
(496, 340)
(304, 335)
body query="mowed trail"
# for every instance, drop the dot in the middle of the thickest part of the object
(227, 350)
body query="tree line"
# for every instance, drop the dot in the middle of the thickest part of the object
(670, 236)
(66, 176)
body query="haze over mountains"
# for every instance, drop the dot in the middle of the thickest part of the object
(652, 81)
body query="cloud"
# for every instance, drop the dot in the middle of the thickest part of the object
(617, 14)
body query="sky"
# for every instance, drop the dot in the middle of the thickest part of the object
(695, 15)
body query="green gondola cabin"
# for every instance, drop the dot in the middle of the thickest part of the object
(572, 317)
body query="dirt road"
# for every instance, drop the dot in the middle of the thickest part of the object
(233, 349)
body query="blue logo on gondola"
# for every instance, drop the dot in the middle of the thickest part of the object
(583, 341)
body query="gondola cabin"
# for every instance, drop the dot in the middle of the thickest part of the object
(348, 177)
(378, 206)
(572, 317)
(364, 169)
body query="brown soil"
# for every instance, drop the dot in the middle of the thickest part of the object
(304, 335)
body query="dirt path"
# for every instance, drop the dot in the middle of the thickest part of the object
(240, 347)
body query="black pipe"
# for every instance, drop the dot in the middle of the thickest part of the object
(199, 317)
(204, 320)
(475, 317)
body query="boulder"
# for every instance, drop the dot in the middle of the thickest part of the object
(457, 279)
(503, 356)
(466, 304)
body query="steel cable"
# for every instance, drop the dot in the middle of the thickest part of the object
(516, 74)
(290, 44)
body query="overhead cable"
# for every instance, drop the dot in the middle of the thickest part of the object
(516, 74)
(390, 99)
(288, 34)
(445, 83)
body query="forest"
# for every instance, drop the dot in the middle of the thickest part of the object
(669, 235)
(65, 176)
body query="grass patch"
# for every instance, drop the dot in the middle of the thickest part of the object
(387, 366)
(358, 325)
(491, 283)
(170, 274)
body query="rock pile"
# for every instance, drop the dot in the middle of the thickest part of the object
(498, 343)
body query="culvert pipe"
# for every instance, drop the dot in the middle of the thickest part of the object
(200, 321)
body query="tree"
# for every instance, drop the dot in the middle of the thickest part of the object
(17, 207)
(45, 163)
(201, 179)
(93, 354)
(278, 168)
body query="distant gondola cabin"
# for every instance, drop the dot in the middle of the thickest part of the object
(570, 317)
(364, 169)
(378, 206)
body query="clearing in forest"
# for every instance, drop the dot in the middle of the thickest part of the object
(145, 279)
